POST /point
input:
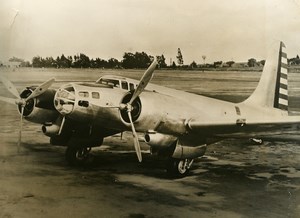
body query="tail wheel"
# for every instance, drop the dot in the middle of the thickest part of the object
(179, 167)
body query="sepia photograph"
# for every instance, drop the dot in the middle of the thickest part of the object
(147, 108)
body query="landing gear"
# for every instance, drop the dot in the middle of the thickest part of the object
(79, 148)
(77, 155)
(179, 167)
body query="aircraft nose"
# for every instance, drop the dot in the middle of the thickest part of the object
(64, 99)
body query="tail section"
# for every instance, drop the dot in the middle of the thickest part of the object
(281, 90)
(272, 89)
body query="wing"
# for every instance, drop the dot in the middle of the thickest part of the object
(284, 128)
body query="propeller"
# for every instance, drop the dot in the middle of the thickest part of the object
(9, 86)
(21, 102)
(144, 81)
(140, 88)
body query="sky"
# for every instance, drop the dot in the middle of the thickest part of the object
(221, 30)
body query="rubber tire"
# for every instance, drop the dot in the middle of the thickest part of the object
(71, 153)
(173, 168)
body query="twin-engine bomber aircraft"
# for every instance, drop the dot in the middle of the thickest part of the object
(176, 124)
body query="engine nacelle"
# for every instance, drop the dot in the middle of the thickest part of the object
(162, 113)
(159, 140)
(40, 115)
(51, 130)
(39, 109)
(188, 152)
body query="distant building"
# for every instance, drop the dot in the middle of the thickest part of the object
(12, 64)
(240, 64)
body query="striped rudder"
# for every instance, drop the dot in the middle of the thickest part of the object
(272, 89)
(281, 91)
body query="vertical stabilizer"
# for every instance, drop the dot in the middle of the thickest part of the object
(272, 89)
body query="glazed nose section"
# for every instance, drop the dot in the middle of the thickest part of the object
(64, 99)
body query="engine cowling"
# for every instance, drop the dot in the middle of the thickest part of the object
(41, 108)
(136, 108)
(153, 110)
(159, 140)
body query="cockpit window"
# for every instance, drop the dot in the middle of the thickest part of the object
(112, 82)
(95, 95)
(83, 94)
(118, 83)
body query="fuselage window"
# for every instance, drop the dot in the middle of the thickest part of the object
(83, 103)
(131, 86)
(83, 94)
(95, 95)
(124, 85)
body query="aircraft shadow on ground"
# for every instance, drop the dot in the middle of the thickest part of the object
(126, 163)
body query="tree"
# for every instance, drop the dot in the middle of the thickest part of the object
(112, 63)
(128, 60)
(137, 60)
(161, 61)
(63, 62)
(142, 60)
(37, 61)
(76, 62)
(262, 62)
(193, 64)
(179, 57)
(100, 63)
(84, 61)
(217, 64)
(294, 61)
(251, 62)
(174, 65)
(25, 64)
(49, 62)
(230, 63)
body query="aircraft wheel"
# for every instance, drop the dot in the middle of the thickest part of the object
(76, 155)
(179, 167)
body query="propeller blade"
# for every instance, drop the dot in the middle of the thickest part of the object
(8, 100)
(135, 139)
(9, 86)
(40, 89)
(21, 127)
(144, 81)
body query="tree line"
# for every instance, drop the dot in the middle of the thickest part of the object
(129, 61)
(137, 60)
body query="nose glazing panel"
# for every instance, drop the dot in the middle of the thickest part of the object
(64, 99)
